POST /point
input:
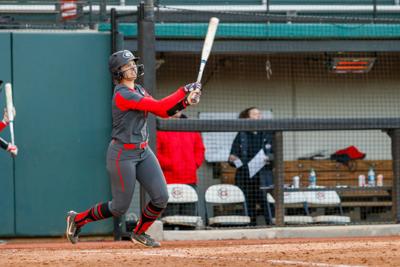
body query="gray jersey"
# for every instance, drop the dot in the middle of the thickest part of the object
(129, 125)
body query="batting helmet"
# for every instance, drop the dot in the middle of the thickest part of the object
(119, 59)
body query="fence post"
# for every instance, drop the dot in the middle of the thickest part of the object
(147, 52)
(278, 178)
(114, 30)
(395, 138)
(374, 9)
(116, 45)
(103, 10)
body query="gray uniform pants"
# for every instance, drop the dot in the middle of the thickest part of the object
(124, 167)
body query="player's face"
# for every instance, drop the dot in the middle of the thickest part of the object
(129, 71)
(255, 114)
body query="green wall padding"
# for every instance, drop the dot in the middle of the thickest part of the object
(62, 91)
(6, 162)
(262, 31)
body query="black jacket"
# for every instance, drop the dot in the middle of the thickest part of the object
(240, 148)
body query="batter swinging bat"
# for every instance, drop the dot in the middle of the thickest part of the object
(10, 110)
(208, 42)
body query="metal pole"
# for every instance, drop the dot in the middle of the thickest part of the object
(91, 24)
(114, 34)
(374, 12)
(103, 10)
(146, 49)
(114, 30)
(278, 178)
(395, 138)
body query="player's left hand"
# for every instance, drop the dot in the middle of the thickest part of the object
(193, 97)
(192, 87)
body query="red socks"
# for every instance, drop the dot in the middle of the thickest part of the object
(149, 214)
(98, 212)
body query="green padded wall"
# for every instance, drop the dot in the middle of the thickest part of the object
(62, 92)
(6, 162)
(263, 31)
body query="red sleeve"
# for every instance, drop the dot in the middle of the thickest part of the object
(148, 103)
(199, 149)
(2, 125)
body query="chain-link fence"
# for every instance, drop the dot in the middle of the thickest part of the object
(292, 70)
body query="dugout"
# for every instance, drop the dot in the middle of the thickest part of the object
(301, 84)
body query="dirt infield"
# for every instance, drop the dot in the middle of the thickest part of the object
(375, 251)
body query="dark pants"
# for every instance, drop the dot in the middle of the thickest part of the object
(254, 196)
(125, 167)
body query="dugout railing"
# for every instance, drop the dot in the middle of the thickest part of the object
(278, 126)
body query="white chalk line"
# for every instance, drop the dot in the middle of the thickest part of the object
(317, 264)
(287, 262)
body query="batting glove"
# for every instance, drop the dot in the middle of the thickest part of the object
(191, 87)
(13, 149)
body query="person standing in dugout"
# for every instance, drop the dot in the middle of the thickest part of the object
(244, 148)
(128, 155)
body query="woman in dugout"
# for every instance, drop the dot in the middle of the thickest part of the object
(128, 156)
(13, 149)
(245, 147)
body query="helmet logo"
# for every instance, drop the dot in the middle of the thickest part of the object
(127, 54)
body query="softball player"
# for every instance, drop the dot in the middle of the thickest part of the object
(13, 149)
(128, 156)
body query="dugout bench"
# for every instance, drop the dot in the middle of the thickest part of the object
(362, 204)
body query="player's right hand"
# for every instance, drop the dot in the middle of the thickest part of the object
(6, 120)
(192, 87)
(193, 97)
(13, 149)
